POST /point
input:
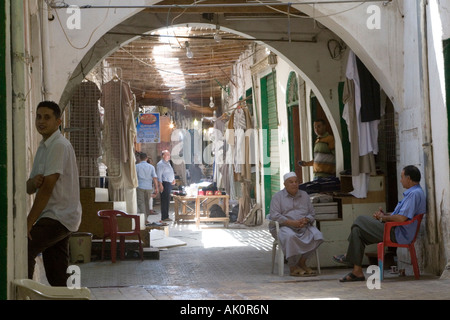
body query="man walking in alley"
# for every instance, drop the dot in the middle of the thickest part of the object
(146, 175)
(166, 178)
(56, 210)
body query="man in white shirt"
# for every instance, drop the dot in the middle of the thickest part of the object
(56, 210)
(146, 175)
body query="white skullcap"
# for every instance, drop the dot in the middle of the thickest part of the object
(289, 175)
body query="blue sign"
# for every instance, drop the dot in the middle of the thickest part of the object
(148, 128)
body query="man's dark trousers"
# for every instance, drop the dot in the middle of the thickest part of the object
(165, 200)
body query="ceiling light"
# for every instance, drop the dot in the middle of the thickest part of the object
(217, 36)
(189, 53)
(211, 102)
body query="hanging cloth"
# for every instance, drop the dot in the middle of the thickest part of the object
(119, 133)
(240, 121)
(219, 150)
(363, 165)
(370, 94)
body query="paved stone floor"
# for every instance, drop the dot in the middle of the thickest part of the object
(235, 264)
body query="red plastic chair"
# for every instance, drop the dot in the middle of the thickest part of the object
(388, 243)
(111, 230)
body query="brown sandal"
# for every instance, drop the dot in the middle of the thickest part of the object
(309, 271)
(299, 272)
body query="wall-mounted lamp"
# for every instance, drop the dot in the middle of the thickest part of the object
(272, 60)
(189, 52)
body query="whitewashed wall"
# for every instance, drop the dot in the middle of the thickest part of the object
(390, 54)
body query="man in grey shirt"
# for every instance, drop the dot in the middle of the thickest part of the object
(166, 179)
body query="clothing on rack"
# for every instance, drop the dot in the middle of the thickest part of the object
(370, 97)
(362, 135)
(119, 132)
(219, 148)
(240, 121)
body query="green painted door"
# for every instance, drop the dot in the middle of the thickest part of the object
(271, 150)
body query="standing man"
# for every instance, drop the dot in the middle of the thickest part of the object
(56, 210)
(166, 179)
(324, 163)
(298, 236)
(150, 203)
(146, 175)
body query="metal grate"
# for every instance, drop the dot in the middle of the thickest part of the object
(84, 128)
(95, 128)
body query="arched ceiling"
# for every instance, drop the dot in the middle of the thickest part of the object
(160, 72)
(151, 57)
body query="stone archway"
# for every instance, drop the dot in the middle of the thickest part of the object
(309, 59)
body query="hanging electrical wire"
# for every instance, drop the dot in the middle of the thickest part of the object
(336, 48)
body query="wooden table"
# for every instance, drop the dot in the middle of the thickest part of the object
(202, 205)
(184, 207)
(197, 208)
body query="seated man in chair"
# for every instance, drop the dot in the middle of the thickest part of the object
(368, 230)
(298, 237)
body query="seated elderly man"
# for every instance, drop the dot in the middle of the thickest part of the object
(298, 237)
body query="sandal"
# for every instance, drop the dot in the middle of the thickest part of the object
(350, 277)
(342, 258)
(299, 272)
(309, 271)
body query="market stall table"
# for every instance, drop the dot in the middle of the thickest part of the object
(204, 202)
(184, 207)
(197, 208)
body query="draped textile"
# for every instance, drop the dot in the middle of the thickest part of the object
(240, 121)
(363, 136)
(119, 133)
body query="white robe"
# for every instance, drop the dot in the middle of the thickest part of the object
(296, 241)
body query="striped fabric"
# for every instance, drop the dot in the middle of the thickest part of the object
(324, 159)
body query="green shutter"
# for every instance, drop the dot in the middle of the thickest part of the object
(270, 138)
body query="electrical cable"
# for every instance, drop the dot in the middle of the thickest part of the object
(92, 33)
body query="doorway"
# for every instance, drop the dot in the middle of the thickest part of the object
(292, 104)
